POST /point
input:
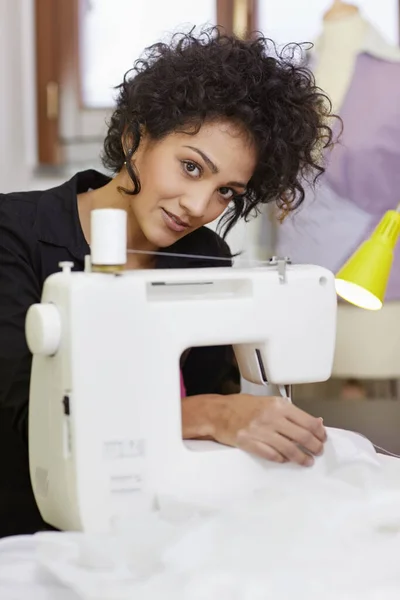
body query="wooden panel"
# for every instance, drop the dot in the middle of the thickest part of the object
(236, 15)
(225, 15)
(47, 67)
(56, 23)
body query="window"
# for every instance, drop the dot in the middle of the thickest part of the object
(114, 34)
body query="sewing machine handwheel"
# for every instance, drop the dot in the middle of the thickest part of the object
(43, 329)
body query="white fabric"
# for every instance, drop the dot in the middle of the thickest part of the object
(21, 577)
(308, 537)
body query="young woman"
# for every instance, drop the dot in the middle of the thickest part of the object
(205, 125)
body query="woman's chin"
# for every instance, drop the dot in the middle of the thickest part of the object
(164, 238)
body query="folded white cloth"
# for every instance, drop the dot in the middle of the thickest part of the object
(22, 577)
(329, 532)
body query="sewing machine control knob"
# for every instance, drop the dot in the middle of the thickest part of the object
(43, 329)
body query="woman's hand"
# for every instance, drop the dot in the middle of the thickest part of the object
(269, 427)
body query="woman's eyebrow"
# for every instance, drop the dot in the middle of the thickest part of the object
(214, 167)
(207, 160)
(237, 184)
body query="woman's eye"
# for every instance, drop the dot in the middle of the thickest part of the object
(191, 168)
(226, 193)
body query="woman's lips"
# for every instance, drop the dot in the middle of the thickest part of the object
(173, 222)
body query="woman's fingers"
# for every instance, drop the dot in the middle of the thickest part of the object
(305, 421)
(259, 448)
(270, 427)
(303, 437)
(273, 446)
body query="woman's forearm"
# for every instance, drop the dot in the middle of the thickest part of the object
(203, 416)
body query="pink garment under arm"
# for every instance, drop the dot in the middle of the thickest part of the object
(183, 389)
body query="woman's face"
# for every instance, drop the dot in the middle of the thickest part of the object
(188, 180)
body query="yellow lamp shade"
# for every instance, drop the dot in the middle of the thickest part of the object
(363, 279)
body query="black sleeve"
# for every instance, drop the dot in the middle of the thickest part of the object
(19, 288)
(211, 370)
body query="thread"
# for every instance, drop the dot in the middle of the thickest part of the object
(254, 262)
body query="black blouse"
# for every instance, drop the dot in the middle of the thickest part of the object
(38, 230)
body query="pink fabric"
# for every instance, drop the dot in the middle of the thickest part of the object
(183, 389)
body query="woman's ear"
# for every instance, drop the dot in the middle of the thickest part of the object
(127, 143)
(128, 155)
(130, 139)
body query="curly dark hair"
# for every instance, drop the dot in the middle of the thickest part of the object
(211, 76)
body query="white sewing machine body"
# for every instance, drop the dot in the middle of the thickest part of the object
(105, 414)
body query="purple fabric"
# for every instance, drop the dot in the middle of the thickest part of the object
(326, 230)
(362, 180)
(365, 167)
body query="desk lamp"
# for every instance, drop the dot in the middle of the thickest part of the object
(363, 279)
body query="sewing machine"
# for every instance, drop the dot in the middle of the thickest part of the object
(105, 430)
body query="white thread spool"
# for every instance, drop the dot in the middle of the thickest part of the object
(108, 237)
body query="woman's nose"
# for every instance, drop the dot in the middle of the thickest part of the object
(196, 203)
